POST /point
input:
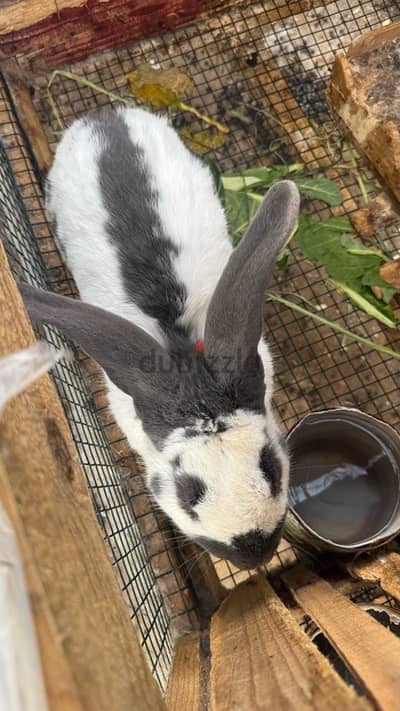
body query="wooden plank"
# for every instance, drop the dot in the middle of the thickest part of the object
(184, 682)
(24, 13)
(67, 549)
(27, 116)
(62, 694)
(75, 29)
(369, 648)
(261, 659)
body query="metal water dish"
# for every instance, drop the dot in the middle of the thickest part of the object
(345, 482)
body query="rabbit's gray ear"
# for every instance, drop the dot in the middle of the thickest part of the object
(132, 359)
(234, 318)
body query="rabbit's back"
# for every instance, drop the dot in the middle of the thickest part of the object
(138, 220)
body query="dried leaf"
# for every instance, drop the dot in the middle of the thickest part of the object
(165, 88)
(390, 273)
(160, 88)
(201, 142)
(364, 222)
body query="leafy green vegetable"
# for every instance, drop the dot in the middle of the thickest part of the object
(368, 303)
(283, 258)
(320, 189)
(240, 208)
(353, 267)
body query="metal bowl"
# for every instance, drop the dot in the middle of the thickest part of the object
(344, 490)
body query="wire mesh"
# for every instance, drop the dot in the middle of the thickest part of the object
(121, 532)
(261, 69)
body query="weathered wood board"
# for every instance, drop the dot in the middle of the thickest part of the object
(369, 648)
(262, 660)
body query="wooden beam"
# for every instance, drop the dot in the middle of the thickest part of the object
(71, 30)
(261, 659)
(62, 693)
(68, 552)
(184, 682)
(369, 648)
(27, 116)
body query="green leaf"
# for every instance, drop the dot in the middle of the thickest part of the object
(260, 178)
(240, 208)
(238, 182)
(353, 267)
(372, 306)
(283, 258)
(320, 189)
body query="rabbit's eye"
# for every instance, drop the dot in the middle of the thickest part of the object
(271, 469)
(191, 491)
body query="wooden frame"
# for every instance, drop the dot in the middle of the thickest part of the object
(92, 657)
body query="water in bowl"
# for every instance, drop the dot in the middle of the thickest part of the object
(343, 479)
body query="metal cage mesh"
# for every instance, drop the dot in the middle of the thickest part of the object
(261, 69)
(121, 533)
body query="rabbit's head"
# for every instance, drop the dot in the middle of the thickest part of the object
(220, 468)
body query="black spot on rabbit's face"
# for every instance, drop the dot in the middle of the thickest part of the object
(271, 469)
(248, 550)
(190, 491)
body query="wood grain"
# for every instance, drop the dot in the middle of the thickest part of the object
(369, 648)
(27, 115)
(76, 30)
(366, 108)
(379, 567)
(62, 693)
(261, 659)
(66, 548)
(184, 682)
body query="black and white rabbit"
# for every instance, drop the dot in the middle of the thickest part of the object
(142, 230)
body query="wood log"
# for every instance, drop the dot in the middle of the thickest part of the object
(370, 649)
(261, 659)
(66, 548)
(363, 92)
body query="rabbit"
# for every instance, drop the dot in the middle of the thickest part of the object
(173, 315)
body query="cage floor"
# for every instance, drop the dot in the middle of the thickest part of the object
(262, 71)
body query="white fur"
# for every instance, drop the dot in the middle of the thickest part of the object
(238, 497)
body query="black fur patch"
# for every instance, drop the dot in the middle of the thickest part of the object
(271, 468)
(134, 226)
(191, 491)
(248, 550)
(155, 484)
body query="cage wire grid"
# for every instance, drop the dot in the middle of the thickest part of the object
(121, 533)
(262, 71)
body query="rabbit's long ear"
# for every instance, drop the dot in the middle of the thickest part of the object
(234, 318)
(132, 359)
